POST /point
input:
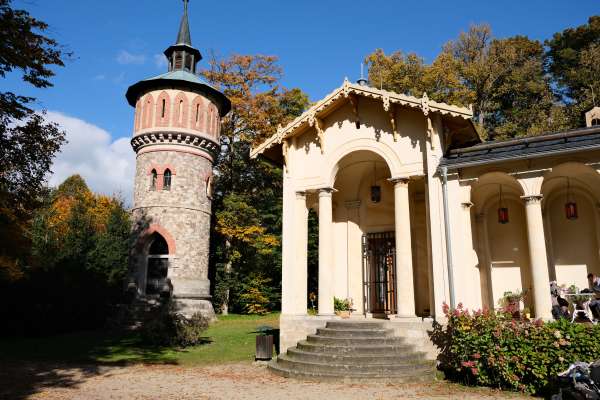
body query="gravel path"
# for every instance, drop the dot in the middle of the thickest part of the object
(223, 382)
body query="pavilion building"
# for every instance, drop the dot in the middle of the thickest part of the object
(415, 211)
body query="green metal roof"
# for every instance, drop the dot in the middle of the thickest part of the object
(182, 79)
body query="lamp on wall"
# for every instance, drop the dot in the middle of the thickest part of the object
(375, 188)
(570, 205)
(502, 211)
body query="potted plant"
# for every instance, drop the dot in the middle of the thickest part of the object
(511, 303)
(342, 307)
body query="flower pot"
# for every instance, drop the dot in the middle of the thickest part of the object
(343, 314)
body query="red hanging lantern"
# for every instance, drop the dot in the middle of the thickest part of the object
(503, 215)
(570, 205)
(502, 211)
(571, 210)
(375, 188)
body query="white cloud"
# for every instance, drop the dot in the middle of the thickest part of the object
(124, 57)
(100, 77)
(160, 61)
(107, 165)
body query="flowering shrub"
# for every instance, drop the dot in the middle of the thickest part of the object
(492, 349)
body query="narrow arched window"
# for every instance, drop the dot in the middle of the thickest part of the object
(153, 180)
(167, 180)
(164, 105)
(197, 112)
(596, 122)
(180, 112)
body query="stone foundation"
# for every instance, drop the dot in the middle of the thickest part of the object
(189, 307)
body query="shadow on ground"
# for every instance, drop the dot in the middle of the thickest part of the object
(29, 366)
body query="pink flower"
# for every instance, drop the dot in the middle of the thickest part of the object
(476, 356)
(474, 371)
(468, 364)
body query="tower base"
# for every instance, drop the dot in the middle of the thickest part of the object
(190, 306)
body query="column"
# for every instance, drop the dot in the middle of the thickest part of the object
(537, 255)
(301, 250)
(325, 299)
(288, 297)
(405, 294)
(354, 256)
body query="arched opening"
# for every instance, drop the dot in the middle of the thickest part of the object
(596, 122)
(503, 250)
(153, 179)
(365, 266)
(570, 213)
(157, 266)
(167, 179)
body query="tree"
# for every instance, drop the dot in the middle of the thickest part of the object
(247, 196)
(504, 80)
(27, 142)
(572, 61)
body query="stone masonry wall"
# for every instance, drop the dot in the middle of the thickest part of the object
(183, 212)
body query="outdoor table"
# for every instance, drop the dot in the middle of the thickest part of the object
(586, 304)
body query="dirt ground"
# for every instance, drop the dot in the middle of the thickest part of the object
(226, 382)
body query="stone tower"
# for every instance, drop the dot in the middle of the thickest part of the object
(176, 140)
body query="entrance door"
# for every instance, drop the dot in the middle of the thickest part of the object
(379, 273)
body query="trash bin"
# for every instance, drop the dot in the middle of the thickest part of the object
(264, 343)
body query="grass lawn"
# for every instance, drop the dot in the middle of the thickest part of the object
(231, 339)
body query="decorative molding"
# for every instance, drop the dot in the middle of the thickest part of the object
(403, 181)
(186, 139)
(352, 204)
(346, 91)
(467, 204)
(354, 103)
(532, 199)
(392, 116)
(320, 134)
(285, 152)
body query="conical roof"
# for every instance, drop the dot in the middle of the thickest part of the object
(183, 36)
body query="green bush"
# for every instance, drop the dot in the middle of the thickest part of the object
(492, 349)
(169, 328)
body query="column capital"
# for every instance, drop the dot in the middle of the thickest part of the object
(532, 199)
(400, 180)
(467, 205)
(301, 194)
(326, 191)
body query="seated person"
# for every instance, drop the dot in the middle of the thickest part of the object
(594, 285)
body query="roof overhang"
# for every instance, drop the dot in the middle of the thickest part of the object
(550, 144)
(458, 119)
(134, 91)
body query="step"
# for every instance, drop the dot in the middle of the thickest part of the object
(399, 348)
(415, 375)
(347, 332)
(353, 340)
(354, 325)
(305, 366)
(294, 353)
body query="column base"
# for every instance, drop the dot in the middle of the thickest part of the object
(405, 318)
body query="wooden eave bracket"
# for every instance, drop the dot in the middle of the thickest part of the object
(354, 103)
(316, 122)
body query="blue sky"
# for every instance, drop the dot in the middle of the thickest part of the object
(117, 43)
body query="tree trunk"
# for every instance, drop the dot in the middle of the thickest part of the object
(225, 305)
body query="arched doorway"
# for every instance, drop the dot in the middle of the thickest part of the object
(157, 266)
(571, 223)
(365, 259)
(503, 248)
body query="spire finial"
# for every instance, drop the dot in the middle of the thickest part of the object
(184, 37)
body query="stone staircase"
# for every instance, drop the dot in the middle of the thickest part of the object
(354, 351)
